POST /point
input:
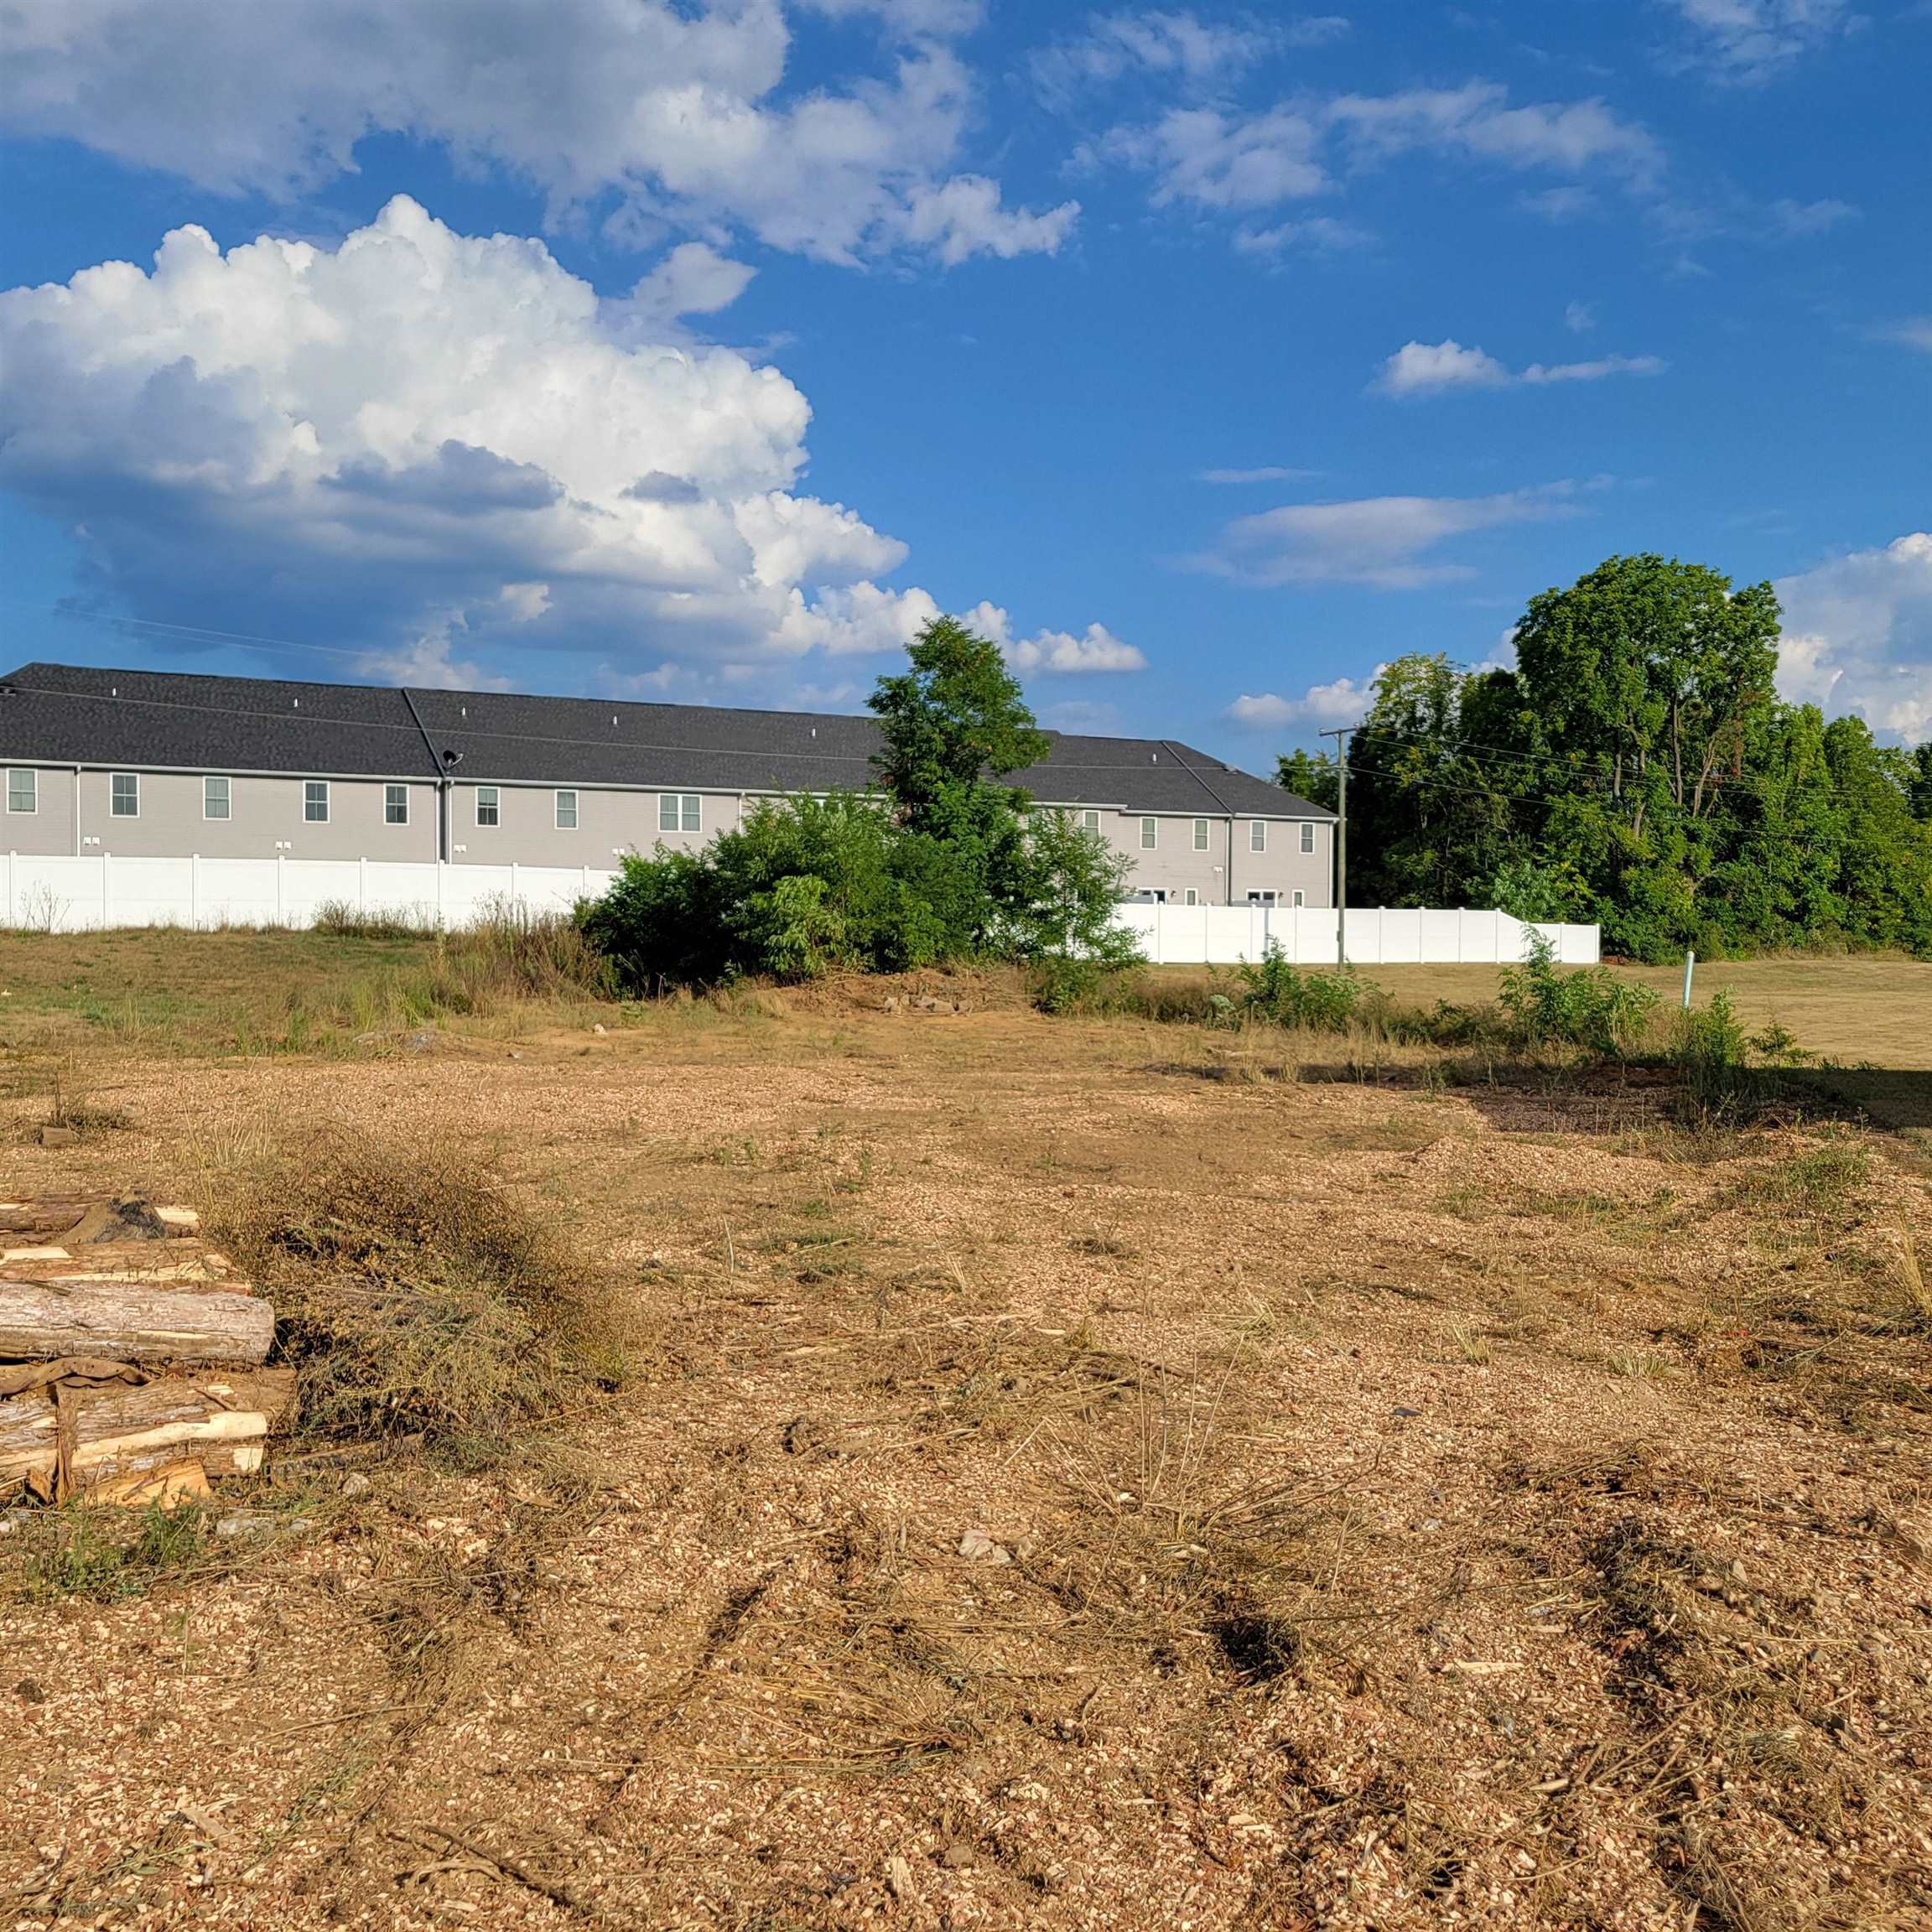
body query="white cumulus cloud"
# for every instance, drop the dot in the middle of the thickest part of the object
(1095, 649)
(1320, 708)
(1858, 637)
(1426, 368)
(417, 442)
(660, 114)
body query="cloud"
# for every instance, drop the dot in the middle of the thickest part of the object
(1095, 650)
(1858, 637)
(1427, 368)
(1176, 46)
(1380, 541)
(1914, 332)
(1268, 473)
(657, 115)
(1749, 41)
(417, 442)
(692, 279)
(1321, 707)
(1579, 317)
(1799, 221)
(1209, 155)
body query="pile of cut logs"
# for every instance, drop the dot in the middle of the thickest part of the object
(131, 1355)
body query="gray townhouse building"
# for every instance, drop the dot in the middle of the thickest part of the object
(171, 764)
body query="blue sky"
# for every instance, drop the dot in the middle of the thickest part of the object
(1207, 358)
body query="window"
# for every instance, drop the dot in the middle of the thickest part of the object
(1149, 834)
(566, 811)
(23, 794)
(216, 801)
(1265, 898)
(1089, 821)
(488, 806)
(1297, 899)
(395, 804)
(679, 812)
(1200, 834)
(1257, 836)
(1307, 836)
(125, 794)
(315, 801)
(1190, 897)
(1148, 896)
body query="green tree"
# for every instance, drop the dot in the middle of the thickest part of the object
(947, 862)
(1431, 821)
(1638, 768)
(1310, 774)
(952, 725)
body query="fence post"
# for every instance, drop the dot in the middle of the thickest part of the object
(516, 890)
(107, 889)
(362, 884)
(12, 901)
(281, 893)
(439, 895)
(194, 890)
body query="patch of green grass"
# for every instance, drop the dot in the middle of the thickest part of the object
(106, 1555)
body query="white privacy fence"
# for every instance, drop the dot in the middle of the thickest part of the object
(1377, 936)
(65, 895)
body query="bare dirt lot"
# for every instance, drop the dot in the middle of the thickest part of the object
(1095, 1474)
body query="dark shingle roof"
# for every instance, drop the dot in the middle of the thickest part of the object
(61, 714)
(56, 713)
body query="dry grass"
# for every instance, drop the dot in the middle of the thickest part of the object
(417, 1296)
(1093, 1473)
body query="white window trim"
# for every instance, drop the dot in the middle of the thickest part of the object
(1149, 834)
(1307, 835)
(404, 790)
(1297, 897)
(31, 775)
(1090, 820)
(114, 809)
(562, 792)
(1258, 835)
(226, 816)
(496, 794)
(1201, 835)
(1191, 897)
(676, 802)
(327, 801)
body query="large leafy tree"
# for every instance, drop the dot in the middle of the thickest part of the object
(953, 726)
(1638, 768)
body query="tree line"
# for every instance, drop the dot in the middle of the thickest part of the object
(1636, 769)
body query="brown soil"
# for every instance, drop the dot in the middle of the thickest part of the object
(1392, 1507)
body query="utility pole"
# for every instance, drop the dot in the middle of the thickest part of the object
(1341, 738)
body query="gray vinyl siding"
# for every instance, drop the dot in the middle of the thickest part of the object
(1175, 865)
(266, 817)
(48, 828)
(609, 824)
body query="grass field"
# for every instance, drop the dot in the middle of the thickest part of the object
(1076, 1473)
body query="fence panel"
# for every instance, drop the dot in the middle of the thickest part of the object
(66, 894)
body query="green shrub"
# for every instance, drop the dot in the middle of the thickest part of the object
(1285, 996)
(1586, 1006)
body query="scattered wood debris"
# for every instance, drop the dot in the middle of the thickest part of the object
(130, 1354)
